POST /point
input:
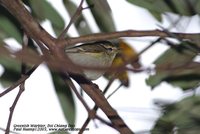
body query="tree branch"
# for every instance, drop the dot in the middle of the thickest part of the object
(20, 81)
(126, 33)
(28, 23)
(21, 87)
(12, 108)
(97, 96)
(68, 81)
(72, 20)
(87, 121)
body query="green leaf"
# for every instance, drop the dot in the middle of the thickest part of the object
(156, 14)
(159, 7)
(102, 14)
(8, 29)
(9, 77)
(81, 24)
(154, 6)
(185, 7)
(9, 26)
(65, 96)
(11, 71)
(42, 10)
(184, 116)
(11, 65)
(177, 68)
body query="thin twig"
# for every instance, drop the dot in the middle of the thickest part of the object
(96, 95)
(87, 121)
(105, 122)
(10, 131)
(108, 85)
(21, 87)
(72, 20)
(12, 108)
(21, 80)
(91, 113)
(115, 91)
(70, 83)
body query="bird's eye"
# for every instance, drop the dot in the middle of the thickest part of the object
(109, 49)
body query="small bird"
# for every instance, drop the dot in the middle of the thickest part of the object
(96, 54)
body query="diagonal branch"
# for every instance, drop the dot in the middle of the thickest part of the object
(20, 81)
(28, 23)
(68, 81)
(73, 19)
(97, 96)
(87, 121)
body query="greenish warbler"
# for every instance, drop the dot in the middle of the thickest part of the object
(96, 54)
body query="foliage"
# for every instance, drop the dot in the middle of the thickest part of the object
(9, 27)
(159, 7)
(65, 97)
(176, 66)
(182, 117)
